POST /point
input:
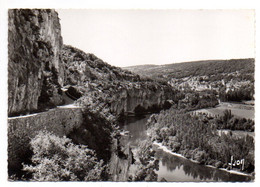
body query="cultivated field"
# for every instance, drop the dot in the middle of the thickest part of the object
(237, 109)
(237, 133)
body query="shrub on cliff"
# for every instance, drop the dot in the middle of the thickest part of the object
(58, 159)
(146, 163)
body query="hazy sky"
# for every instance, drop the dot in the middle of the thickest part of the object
(133, 37)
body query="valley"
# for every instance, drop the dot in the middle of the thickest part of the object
(74, 117)
(219, 96)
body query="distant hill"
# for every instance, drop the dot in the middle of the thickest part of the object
(194, 68)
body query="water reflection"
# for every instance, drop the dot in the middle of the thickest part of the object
(174, 168)
(137, 128)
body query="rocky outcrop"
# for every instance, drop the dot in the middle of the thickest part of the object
(39, 66)
(35, 70)
(120, 161)
(141, 97)
(81, 68)
(106, 86)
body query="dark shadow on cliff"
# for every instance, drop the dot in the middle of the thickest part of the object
(95, 132)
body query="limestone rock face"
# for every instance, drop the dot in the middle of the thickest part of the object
(105, 87)
(35, 69)
(146, 97)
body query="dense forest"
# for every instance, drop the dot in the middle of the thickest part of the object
(191, 100)
(229, 121)
(211, 68)
(197, 139)
(245, 92)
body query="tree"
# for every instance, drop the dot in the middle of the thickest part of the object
(146, 163)
(227, 116)
(58, 159)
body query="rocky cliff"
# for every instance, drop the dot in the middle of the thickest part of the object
(104, 86)
(40, 65)
(35, 69)
(140, 98)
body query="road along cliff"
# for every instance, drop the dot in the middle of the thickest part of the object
(44, 74)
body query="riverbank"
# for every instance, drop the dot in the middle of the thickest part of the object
(165, 149)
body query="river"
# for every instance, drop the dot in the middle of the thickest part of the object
(174, 168)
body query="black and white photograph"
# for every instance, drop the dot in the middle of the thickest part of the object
(130, 95)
